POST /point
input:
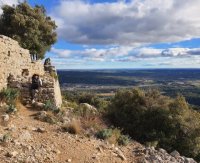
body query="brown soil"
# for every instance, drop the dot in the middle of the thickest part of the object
(56, 146)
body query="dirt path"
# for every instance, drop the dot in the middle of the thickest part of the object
(53, 145)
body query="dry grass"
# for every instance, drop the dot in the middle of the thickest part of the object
(73, 128)
(92, 125)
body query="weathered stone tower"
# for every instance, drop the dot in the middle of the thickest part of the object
(16, 62)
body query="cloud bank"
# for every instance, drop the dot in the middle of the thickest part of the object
(127, 23)
(126, 28)
(126, 54)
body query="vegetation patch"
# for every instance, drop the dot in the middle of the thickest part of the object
(54, 75)
(73, 127)
(113, 136)
(150, 117)
(9, 99)
(9, 95)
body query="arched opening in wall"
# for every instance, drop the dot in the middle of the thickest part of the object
(25, 72)
(8, 53)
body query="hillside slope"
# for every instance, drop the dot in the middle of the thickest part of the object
(25, 139)
(28, 144)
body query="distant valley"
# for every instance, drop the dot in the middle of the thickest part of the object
(105, 82)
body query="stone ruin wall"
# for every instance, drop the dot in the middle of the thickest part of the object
(16, 61)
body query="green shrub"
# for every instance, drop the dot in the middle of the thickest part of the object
(84, 111)
(9, 95)
(89, 98)
(152, 117)
(11, 109)
(50, 106)
(116, 134)
(6, 137)
(70, 96)
(123, 140)
(104, 134)
(72, 105)
(113, 136)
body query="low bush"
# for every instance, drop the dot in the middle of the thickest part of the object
(123, 140)
(89, 98)
(49, 106)
(72, 105)
(104, 134)
(113, 136)
(84, 111)
(116, 134)
(9, 95)
(151, 117)
(5, 139)
(11, 109)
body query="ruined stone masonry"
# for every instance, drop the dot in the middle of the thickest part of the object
(16, 62)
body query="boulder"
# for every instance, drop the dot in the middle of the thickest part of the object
(88, 107)
(175, 154)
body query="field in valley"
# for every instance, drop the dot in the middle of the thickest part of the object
(105, 83)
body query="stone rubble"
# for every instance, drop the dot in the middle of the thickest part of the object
(151, 155)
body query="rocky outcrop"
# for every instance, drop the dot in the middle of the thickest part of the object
(151, 155)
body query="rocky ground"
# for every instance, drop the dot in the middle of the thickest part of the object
(25, 139)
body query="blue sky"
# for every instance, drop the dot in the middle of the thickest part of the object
(96, 34)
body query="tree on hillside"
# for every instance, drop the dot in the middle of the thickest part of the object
(158, 120)
(31, 27)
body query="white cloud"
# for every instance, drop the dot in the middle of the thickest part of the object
(121, 23)
(93, 54)
(126, 53)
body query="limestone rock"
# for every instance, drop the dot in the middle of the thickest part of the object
(69, 160)
(25, 136)
(175, 154)
(5, 117)
(12, 154)
(88, 107)
(152, 155)
(120, 154)
(40, 129)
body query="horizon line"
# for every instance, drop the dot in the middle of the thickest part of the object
(129, 69)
